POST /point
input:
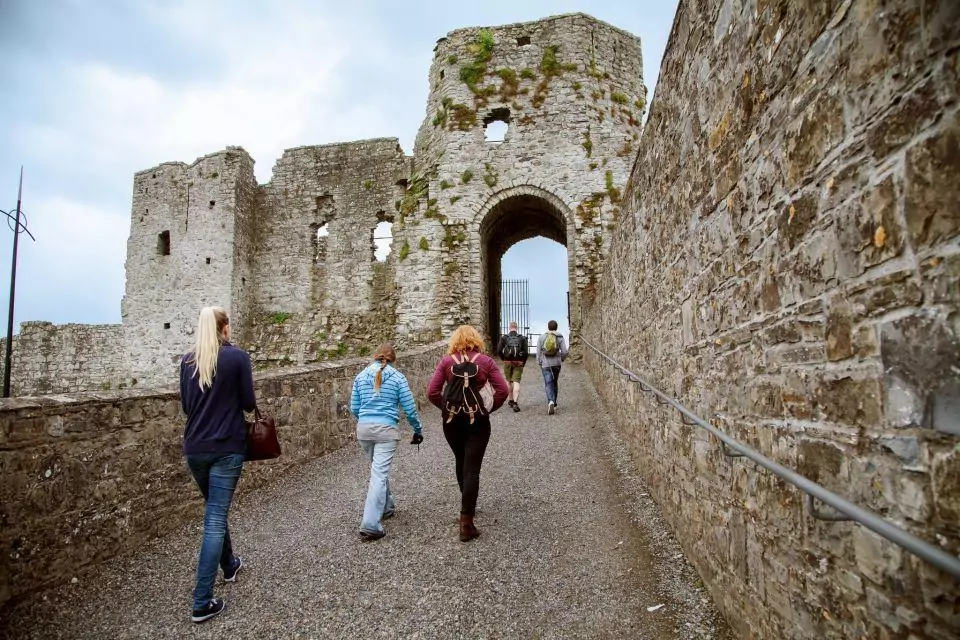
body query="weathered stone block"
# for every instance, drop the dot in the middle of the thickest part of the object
(876, 556)
(822, 462)
(921, 355)
(855, 401)
(932, 189)
(839, 330)
(945, 476)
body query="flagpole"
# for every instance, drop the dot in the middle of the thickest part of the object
(13, 289)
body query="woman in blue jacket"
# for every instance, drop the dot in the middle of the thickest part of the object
(378, 391)
(216, 387)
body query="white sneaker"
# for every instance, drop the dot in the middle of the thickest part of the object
(551, 407)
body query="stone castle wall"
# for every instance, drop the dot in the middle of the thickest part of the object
(49, 358)
(792, 233)
(87, 477)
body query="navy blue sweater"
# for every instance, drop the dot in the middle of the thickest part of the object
(215, 421)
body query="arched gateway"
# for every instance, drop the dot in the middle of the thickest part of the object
(511, 216)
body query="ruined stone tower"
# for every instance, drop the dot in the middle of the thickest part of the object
(571, 93)
(189, 246)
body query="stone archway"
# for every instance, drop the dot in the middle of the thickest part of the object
(508, 217)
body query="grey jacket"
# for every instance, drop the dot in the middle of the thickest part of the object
(551, 361)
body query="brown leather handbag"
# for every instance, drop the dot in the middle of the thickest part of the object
(262, 443)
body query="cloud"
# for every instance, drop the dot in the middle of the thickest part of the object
(108, 90)
(79, 249)
(265, 93)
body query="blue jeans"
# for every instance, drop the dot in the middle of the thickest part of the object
(379, 498)
(551, 376)
(216, 475)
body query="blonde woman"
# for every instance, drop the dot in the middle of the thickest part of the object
(457, 390)
(216, 387)
(379, 391)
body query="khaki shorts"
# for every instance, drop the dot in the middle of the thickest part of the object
(512, 372)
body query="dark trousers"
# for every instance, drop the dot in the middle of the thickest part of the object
(468, 443)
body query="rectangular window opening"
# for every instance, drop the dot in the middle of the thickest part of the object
(208, 260)
(166, 325)
(163, 243)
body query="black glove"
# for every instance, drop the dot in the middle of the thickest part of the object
(417, 438)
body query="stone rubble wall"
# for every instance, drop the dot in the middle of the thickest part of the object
(350, 187)
(789, 268)
(326, 297)
(87, 477)
(49, 358)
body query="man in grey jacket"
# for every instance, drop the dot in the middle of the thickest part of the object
(551, 352)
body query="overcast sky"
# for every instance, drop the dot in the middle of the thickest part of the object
(95, 90)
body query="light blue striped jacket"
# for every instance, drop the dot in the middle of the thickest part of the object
(383, 407)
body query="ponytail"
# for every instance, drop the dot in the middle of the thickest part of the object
(385, 355)
(378, 380)
(210, 328)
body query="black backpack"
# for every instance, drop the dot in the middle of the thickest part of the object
(513, 347)
(460, 394)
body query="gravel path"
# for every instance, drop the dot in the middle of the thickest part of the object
(571, 547)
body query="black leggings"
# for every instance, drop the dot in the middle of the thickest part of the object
(468, 443)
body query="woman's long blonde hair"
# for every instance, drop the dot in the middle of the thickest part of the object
(210, 328)
(385, 355)
(464, 339)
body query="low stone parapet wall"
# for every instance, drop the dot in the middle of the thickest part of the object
(89, 476)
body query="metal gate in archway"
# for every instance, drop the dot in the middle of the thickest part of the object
(515, 305)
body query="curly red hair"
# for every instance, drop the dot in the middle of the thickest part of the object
(464, 339)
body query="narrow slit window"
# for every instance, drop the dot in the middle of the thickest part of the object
(163, 243)
(320, 242)
(382, 241)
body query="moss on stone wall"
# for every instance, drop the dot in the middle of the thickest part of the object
(490, 175)
(472, 72)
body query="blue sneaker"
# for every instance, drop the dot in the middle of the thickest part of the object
(231, 576)
(214, 607)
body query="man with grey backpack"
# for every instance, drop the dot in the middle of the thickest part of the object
(551, 352)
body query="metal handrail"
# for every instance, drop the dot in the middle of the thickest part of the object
(935, 556)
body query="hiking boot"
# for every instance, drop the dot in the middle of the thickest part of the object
(231, 574)
(388, 514)
(516, 407)
(370, 536)
(467, 530)
(213, 608)
(551, 407)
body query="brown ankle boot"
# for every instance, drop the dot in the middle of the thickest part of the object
(467, 530)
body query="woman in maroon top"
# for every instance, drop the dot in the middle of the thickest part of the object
(468, 434)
